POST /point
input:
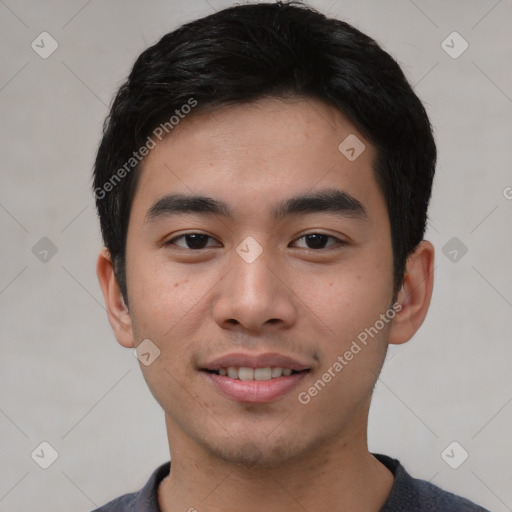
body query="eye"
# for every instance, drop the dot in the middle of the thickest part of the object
(193, 241)
(198, 241)
(319, 240)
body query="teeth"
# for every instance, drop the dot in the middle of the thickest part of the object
(262, 373)
(277, 372)
(244, 373)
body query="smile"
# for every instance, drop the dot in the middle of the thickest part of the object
(248, 374)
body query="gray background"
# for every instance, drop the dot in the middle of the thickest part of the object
(64, 378)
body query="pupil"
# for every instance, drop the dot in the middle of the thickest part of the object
(196, 241)
(316, 241)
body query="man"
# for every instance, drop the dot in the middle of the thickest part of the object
(262, 186)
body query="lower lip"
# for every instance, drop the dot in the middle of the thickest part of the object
(255, 391)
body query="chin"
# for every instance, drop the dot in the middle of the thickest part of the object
(255, 451)
(253, 455)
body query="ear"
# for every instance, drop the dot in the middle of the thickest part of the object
(118, 314)
(415, 295)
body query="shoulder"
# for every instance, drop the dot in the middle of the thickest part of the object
(427, 496)
(416, 495)
(125, 503)
(145, 500)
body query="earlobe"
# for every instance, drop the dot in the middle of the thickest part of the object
(415, 294)
(117, 311)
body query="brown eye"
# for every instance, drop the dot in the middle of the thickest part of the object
(318, 240)
(194, 241)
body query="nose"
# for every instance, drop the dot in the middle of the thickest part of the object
(255, 296)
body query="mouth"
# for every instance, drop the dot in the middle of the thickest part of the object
(260, 374)
(255, 379)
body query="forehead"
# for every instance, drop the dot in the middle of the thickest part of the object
(246, 154)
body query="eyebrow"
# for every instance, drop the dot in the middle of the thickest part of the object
(330, 200)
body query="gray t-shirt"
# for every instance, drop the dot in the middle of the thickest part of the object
(408, 494)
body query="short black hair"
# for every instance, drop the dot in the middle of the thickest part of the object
(247, 52)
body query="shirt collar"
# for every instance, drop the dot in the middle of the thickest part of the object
(146, 499)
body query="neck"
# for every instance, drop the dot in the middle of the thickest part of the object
(339, 475)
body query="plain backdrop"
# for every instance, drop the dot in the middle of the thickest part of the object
(64, 378)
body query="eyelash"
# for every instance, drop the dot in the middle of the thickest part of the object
(171, 242)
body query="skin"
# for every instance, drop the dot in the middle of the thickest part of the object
(306, 302)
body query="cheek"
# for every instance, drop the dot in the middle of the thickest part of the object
(164, 309)
(161, 294)
(347, 298)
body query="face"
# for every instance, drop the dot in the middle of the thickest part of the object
(255, 279)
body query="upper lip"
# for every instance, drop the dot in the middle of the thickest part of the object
(255, 361)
